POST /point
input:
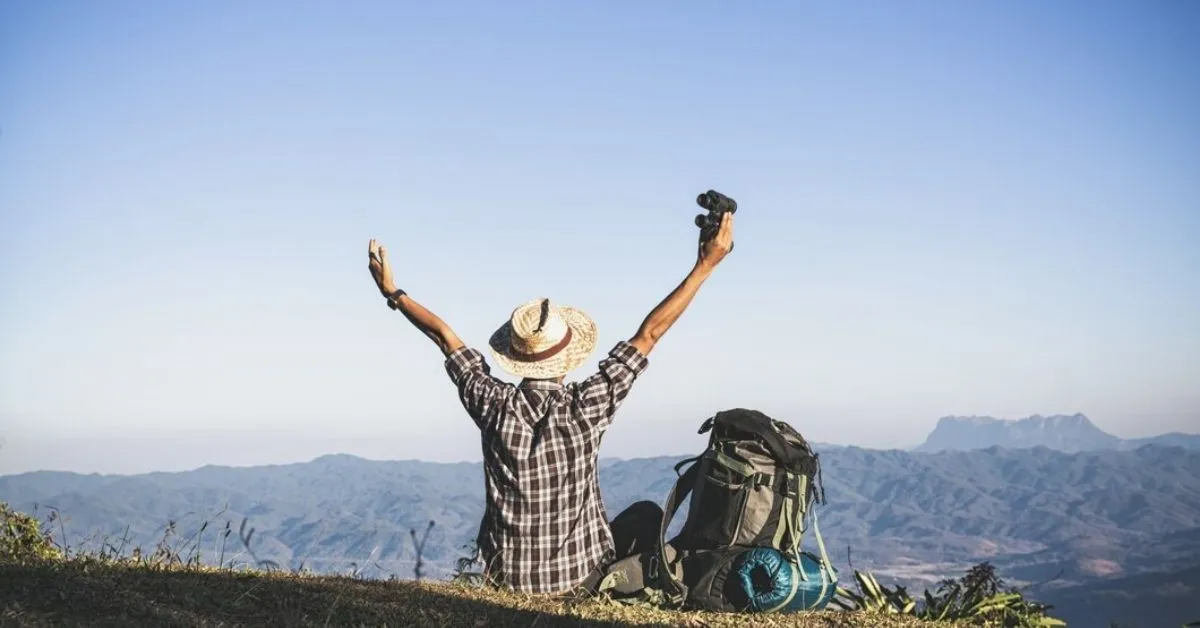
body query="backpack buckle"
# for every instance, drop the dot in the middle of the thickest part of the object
(762, 479)
(652, 568)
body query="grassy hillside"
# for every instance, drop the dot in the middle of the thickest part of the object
(89, 593)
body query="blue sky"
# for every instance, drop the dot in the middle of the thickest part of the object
(945, 208)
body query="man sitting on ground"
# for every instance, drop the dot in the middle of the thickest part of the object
(545, 529)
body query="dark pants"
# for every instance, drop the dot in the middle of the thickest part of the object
(634, 530)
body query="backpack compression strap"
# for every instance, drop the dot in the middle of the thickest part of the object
(673, 588)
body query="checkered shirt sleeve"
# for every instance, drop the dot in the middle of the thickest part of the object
(599, 396)
(481, 393)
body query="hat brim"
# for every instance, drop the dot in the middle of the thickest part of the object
(583, 342)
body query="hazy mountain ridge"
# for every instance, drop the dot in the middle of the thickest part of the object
(911, 517)
(1172, 439)
(951, 506)
(1070, 433)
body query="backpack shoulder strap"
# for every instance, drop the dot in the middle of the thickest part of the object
(659, 569)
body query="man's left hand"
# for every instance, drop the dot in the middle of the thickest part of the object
(381, 270)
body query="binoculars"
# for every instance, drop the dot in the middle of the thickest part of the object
(717, 205)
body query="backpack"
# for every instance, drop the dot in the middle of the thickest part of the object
(752, 495)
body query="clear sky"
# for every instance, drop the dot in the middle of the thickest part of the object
(944, 208)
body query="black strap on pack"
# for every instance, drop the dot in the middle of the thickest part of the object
(672, 586)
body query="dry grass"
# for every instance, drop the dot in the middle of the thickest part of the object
(80, 592)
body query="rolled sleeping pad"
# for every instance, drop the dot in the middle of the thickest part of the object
(773, 584)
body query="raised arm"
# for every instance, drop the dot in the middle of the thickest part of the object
(428, 322)
(668, 311)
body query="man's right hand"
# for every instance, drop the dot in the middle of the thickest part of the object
(713, 250)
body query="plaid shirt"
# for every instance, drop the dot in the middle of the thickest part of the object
(544, 528)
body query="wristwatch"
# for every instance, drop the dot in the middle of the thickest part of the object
(393, 298)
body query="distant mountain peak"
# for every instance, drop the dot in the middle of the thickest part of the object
(339, 459)
(1064, 432)
(1078, 417)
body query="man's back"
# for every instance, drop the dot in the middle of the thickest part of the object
(545, 527)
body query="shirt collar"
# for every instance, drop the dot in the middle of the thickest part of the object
(540, 384)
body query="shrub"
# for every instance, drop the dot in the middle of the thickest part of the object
(22, 539)
(980, 594)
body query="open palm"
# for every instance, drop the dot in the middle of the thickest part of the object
(381, 270)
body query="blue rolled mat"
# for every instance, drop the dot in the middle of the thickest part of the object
(773, 584)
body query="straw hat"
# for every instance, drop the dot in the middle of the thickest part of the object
(543, 341)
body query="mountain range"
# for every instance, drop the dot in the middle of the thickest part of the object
(1065, 524)
(1062, 432)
